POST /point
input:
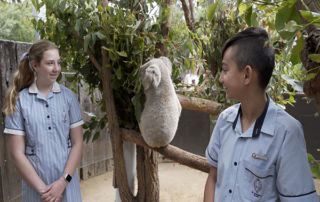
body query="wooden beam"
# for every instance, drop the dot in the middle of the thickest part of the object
(198, 104)
(171, 152)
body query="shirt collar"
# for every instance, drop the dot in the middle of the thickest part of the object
(34, 89)
(265, 122)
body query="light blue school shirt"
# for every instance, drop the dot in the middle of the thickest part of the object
(270, 167)
(46, 124)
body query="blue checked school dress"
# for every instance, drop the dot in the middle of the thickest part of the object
(46, 124)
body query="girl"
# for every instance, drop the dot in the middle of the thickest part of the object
(44, 126)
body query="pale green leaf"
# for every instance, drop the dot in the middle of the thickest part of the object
(242, 8)
(310, 76)
(248, 15)
(315, 57)
(211, 10)
(122, 53)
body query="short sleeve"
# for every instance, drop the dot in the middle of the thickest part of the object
(213, 148)
(75, 112)
(14, 123)
(294, 179)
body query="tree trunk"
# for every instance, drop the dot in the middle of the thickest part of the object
(120, 177)
(187, 15)
(312, 46)
(148, 181)
(160, 46)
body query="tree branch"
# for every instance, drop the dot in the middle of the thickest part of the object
(170, 152)
(187, 15)
(199, 104)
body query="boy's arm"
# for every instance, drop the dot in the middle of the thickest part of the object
(294, 180)
(210, 185)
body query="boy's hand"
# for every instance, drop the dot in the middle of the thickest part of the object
(56, 189)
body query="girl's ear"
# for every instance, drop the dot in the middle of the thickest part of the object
(34, 65)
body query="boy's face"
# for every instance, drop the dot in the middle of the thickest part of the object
(231, 77)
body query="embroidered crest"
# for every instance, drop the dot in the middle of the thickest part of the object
(257, 185)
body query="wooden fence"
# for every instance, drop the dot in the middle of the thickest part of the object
(97, 155)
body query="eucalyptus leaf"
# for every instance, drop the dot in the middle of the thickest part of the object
(315, 57)
(211, 10)
(296, 85)
(248, 14)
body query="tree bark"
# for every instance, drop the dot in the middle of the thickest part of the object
(162, 49)
(198, 104)
(312, 46)
(120, 177)
(148, 180)
(187, 15)
(191, 8)
(169, 151)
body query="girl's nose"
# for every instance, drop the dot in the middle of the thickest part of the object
(221, 79)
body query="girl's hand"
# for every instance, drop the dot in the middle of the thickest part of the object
(56, 189)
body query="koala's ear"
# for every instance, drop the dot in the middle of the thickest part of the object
(167, 62)
(151, 77)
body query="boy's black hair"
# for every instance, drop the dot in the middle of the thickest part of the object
(252, 47)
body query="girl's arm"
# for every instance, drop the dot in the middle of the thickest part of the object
(56, 188)
(26, 170)
(76, 135)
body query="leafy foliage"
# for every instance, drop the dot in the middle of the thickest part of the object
(14, 22)
(129, 34)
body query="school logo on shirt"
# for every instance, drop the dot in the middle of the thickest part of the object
(257, 184)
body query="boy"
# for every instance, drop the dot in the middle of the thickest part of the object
(257, 150)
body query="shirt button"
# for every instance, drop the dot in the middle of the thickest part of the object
(49, 128)
(47, 105)
(235, 163)
(48, 116)
(230, 191)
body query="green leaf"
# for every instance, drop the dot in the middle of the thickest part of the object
(100, 35)
(285, 14)
(211, 10)
(310, 16)
(96, 136)
(310, 76)
(315, 57)
(248, 15)
(296, 85)
(254, 21)
(122, 53)
(297, 48)
(118, 73)
(242, 8)
(86, 42)
(291, 26)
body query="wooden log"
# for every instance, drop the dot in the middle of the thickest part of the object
(199, 104)
(170, 152)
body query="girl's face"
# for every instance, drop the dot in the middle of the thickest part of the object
(231, 77)
(49, 68)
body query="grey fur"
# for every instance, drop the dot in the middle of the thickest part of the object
(162, 109)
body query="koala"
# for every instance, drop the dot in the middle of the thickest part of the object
(162, 109)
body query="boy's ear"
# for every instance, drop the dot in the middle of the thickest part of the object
(248, 74)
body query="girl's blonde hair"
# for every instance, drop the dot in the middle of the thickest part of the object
(24, 76)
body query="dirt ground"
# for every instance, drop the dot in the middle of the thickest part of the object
(178, 183)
